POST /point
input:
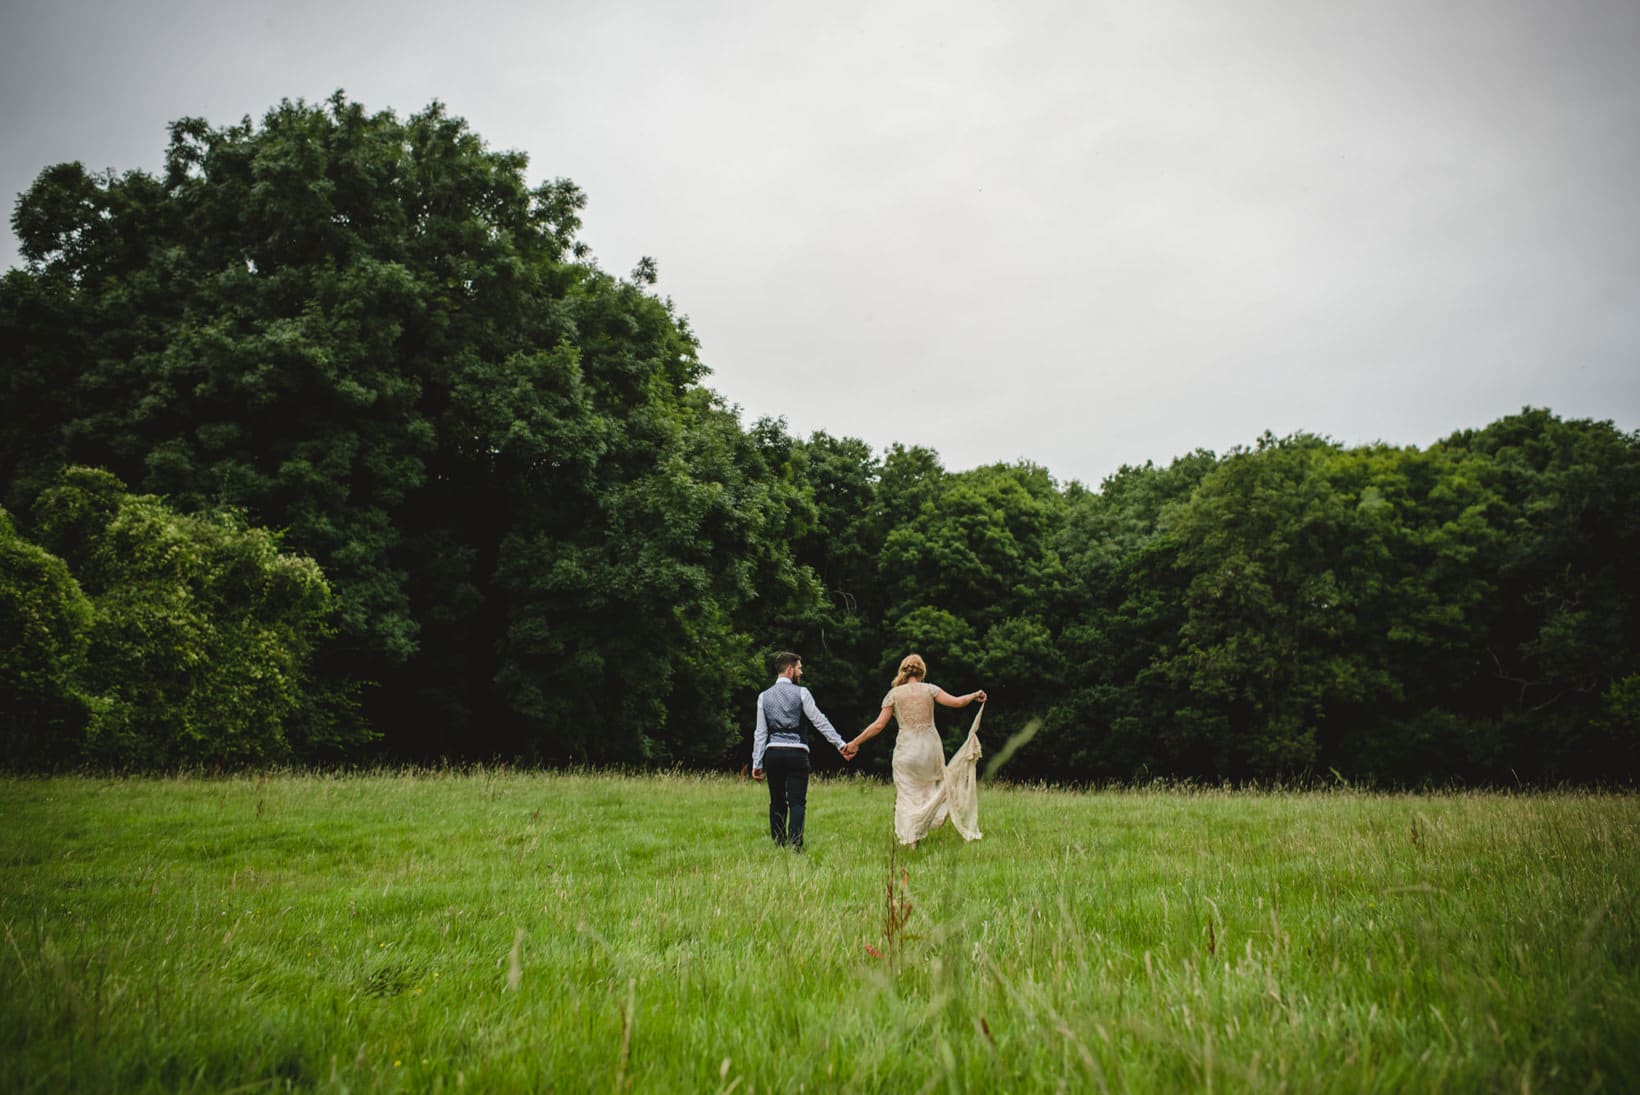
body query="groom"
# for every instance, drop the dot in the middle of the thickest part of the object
(780, 747)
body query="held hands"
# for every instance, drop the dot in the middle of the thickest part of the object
(849, 751)
(757, 774)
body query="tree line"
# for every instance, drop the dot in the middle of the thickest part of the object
(332, 442)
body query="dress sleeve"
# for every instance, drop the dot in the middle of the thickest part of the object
(888, 700)
(934, 690)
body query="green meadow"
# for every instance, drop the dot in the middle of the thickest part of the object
(491, 930)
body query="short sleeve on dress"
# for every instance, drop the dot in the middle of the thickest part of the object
(888, 700)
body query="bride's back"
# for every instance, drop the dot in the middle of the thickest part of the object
(913, 705)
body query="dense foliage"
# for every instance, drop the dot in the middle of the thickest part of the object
(548, 540)
(45, 619)
(144, 637)
(1468, 611)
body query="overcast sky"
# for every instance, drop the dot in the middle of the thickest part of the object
(1082, 234)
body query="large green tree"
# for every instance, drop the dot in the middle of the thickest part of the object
(1557, 644)
(374, 334)
(1117, 717)
(1317, 597)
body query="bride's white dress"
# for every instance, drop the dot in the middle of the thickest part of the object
(927, 789)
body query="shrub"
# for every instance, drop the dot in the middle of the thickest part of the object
(200, 629)
(45, 627)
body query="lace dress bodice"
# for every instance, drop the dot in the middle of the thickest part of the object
(913, 705)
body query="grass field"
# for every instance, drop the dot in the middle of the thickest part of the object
(501, 931)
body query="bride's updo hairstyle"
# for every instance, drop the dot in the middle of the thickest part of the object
(911, 669)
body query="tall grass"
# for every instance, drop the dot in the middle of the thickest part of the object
(500, 931)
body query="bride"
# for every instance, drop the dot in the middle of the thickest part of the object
(927, 790)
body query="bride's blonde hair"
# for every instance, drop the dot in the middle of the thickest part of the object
(911, 668)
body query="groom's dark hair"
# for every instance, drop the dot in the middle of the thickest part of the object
(784, 661)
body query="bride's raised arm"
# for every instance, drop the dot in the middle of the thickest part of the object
(946, 699)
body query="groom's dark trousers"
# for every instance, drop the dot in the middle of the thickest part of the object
(787, 772)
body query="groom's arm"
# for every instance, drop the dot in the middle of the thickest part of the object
(820, 721)
(760, 738)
